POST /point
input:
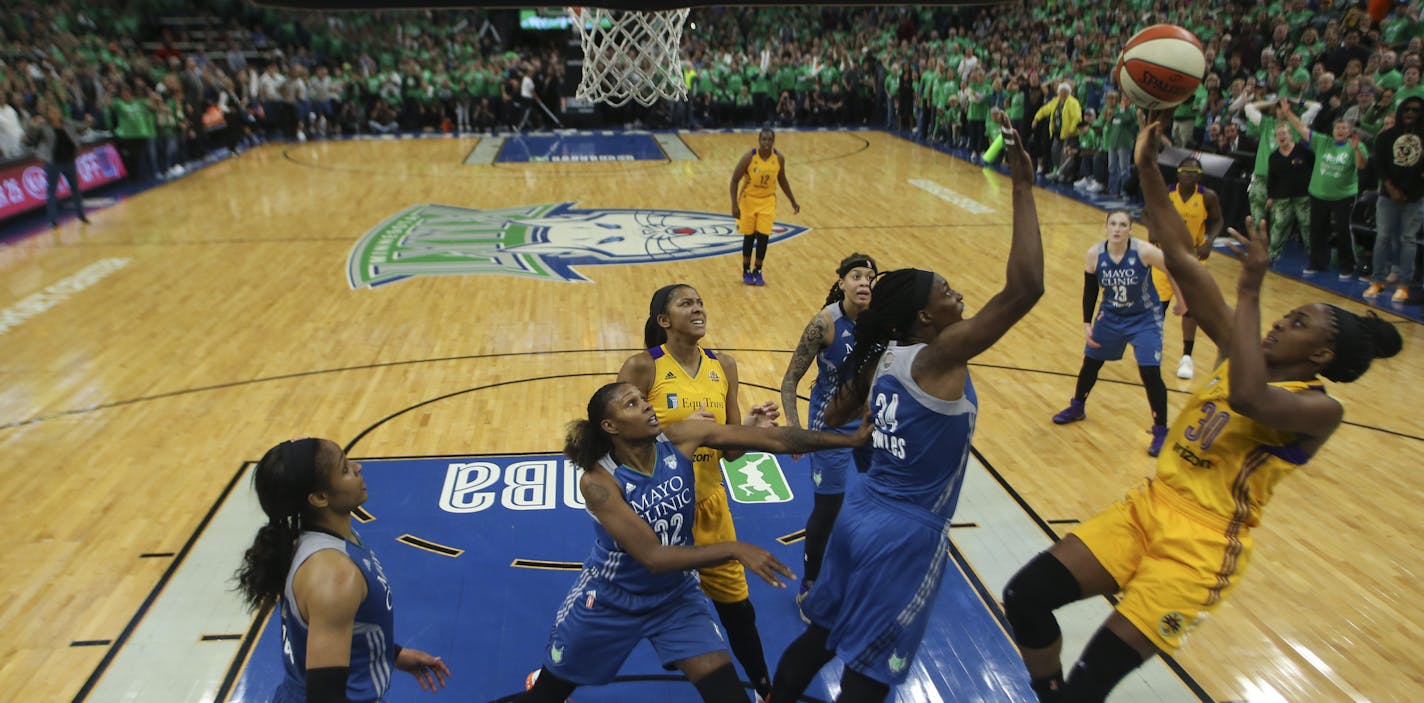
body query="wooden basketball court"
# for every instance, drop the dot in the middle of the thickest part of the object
(196, 324)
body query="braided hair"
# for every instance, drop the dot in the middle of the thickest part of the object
(898, 296)
(1358, 341)
(287, 474)
(854, 261)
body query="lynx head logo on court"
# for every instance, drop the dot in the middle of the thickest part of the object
(536, 241)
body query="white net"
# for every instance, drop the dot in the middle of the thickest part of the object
(630, 55)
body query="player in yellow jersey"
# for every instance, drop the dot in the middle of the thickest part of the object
(1175, 546)
(684, 381)
(754, 182)
(1201, 210)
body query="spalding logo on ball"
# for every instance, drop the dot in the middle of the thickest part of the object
(1160, 67)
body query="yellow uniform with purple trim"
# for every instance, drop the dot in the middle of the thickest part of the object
(1193, 212)
(757, 197)
(676, 394)
(1179, 542)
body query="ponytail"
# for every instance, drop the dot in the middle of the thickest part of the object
(653, 333)
(284, 478)
(1358, 341)
(263, 575)
(585, 442)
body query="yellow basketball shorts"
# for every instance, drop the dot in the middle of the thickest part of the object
(724, 583)
(1173, 561)
(1164, 289)
(757, 215)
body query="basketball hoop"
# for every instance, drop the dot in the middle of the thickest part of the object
(630, 55)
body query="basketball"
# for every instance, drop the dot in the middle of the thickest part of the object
(1160, 67)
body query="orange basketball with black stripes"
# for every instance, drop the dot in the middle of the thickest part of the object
(1160, 67)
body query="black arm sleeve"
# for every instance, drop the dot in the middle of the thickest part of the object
(1090, 295)
(327, 685)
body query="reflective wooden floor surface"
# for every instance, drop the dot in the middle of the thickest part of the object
(223, 322)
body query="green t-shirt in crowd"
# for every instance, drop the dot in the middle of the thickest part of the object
(1392, 80)
(1334, 176)
(1407, 92)
(785, 78)
(940, 95)
(1396, 31)
(734, 83)
(978, 110)
(1089, 140)
(928, 81)
(1015, 106)
(1120, 132)
(761, 84)
(1191, 108)
(133, 119)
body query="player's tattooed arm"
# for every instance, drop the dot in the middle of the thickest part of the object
(595, 495)
(813, 340)
(688, 436)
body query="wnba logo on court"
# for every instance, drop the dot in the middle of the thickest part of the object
(536, 241)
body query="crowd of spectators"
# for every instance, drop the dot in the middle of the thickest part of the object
(936, 72)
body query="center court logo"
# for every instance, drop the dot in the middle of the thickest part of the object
(536, 241)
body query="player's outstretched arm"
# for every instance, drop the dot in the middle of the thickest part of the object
(1315, 415)
(1023, 279)
(688, 436)
(1169, 232)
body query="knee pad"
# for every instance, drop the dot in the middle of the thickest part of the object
(1040, 587)
(747, 241)
(761, 242)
